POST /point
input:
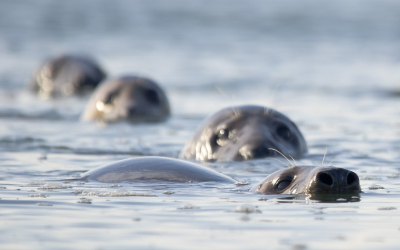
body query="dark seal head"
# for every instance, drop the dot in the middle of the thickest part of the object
(66, 75)
(244, 133)
(127, 98)
(159, 169)
(310, 180)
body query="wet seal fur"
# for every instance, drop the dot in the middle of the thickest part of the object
(159, 169)
(130, 98)
(310, 180)
(66, 75)
(244, 133)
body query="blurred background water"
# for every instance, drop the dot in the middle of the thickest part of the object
(332, 67)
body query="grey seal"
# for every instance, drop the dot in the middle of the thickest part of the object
(244, 133)
(127, 98)
(160, 169)
(310, 180)
(66, 75)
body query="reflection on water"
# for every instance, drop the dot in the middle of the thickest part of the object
(332, 68)
(325, 198)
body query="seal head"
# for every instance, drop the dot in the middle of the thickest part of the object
(244, 133)
(129, 98)
(310, 180)
(159, 169)
(66, 75)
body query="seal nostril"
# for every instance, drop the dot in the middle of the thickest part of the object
(325, 178)
(351, 178)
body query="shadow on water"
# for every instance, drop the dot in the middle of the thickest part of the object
(323, 198)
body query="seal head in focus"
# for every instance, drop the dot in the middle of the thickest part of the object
(244, 133)
(310, 180)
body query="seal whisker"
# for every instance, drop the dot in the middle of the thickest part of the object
(331, 161)
(224, 95)
(322, 163)
(293, 160)
(220, 91)
(282, 100)
(282, 155)
(273, 93)
(279, 161)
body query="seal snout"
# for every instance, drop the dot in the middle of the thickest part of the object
(336, 180)
(256, 151)
(260, 152)
(132, 111)
(312, 180)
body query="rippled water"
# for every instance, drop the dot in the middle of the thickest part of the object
(332, 67)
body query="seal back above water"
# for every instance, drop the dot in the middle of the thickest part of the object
(66, 75)
(159, 169)
(310, 180)
(243, 133)
(131, 98)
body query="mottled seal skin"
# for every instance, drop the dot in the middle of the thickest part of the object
(160, 169)
(310, 180)
(66, 75)
(131, 98)
(244, 133)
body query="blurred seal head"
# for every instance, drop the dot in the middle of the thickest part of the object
(66, 75)
(130, 98)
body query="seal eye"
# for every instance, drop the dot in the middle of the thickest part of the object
(284, 132)
(111, 97)
(222, 136)
(282, 184)
(152, 96)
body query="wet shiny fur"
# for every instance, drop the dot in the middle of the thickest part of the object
(159, 169)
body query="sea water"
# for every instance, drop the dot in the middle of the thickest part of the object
(332, 67)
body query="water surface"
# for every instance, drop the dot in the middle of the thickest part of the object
(331, 67)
